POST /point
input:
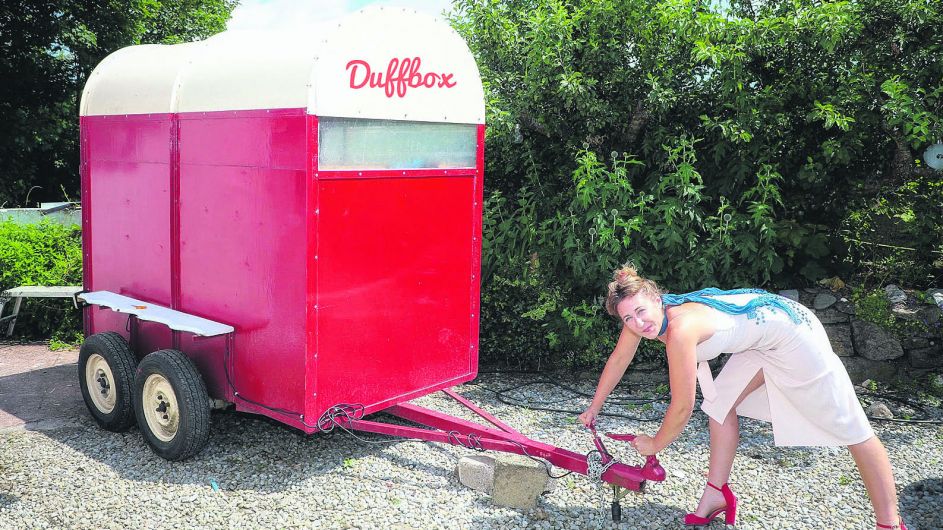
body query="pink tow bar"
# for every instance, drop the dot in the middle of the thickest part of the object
(502, 437)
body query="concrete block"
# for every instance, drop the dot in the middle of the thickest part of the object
(477, 472)
(518, 481)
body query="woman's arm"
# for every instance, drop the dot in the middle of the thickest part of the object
(619, 360)
(682, 378)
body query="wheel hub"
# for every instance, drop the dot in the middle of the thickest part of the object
(160, 407)
(99, 380)
(103, 384)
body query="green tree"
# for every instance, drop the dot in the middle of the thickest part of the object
(47, 51)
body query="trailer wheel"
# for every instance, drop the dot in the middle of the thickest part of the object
(171, 405)
(106, 374)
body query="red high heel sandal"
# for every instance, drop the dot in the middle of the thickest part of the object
(899, 526)
(729, 510)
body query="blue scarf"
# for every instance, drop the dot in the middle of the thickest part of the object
(750, 309)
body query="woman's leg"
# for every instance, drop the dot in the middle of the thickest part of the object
(875, 469)
(724, 440)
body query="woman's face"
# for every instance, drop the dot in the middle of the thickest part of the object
(642, 314)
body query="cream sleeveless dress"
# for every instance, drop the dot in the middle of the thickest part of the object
(807, 396)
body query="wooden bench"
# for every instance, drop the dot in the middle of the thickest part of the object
(17, 294)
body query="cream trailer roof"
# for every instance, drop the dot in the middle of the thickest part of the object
(379, 63)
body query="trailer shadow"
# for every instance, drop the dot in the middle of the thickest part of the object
(7, 500)
(921, 501)
(249, 452)
(39, 392)
(642, 515)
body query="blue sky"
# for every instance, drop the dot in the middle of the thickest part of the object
(274, 14)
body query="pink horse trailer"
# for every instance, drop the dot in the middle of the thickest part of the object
(291, 225)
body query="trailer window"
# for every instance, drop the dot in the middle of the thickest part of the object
(347, 143)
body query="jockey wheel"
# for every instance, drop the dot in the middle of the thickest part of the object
(618, 492)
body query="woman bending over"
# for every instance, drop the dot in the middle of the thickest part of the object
(782, 370)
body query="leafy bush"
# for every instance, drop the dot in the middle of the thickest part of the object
(514, 328)
(711, 146)
(42, 254)
(605, 221)
(896, 236)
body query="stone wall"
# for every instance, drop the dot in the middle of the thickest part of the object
(868, 350)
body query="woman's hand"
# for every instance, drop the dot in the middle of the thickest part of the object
(644, 444)
(589, 416)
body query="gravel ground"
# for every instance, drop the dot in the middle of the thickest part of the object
(256, 473)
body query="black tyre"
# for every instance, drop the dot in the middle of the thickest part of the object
(171, 404)
(106, 376)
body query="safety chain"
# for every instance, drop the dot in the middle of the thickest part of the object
(473, 441)
(594, 465)
(350, 413)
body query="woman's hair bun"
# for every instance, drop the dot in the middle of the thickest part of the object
(625, 273)
(626, 283)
